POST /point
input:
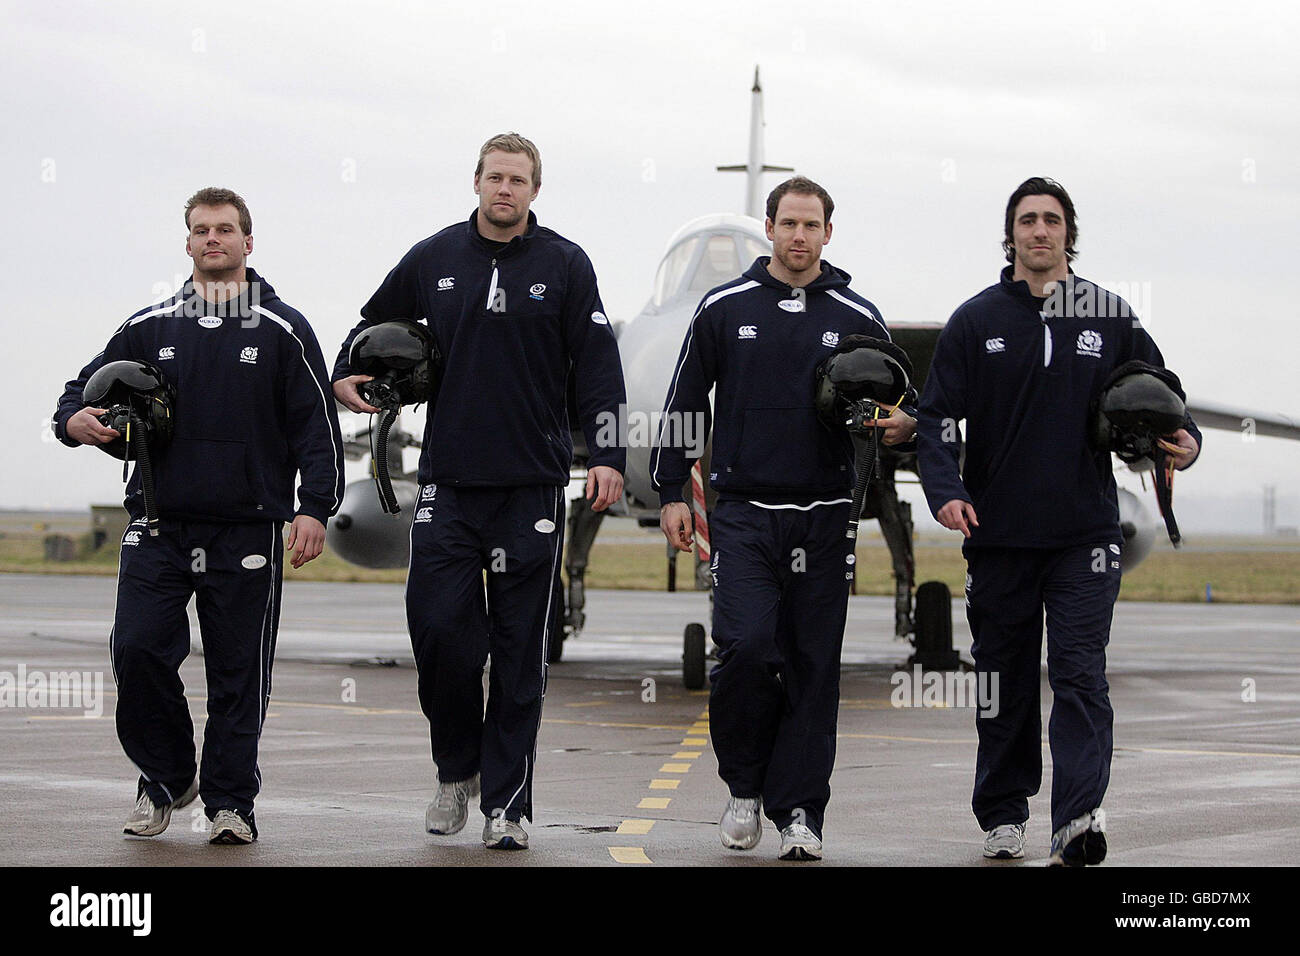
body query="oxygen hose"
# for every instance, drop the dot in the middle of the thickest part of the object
(1164, 478)
(138, 438)
(865, 459)
(387, 500)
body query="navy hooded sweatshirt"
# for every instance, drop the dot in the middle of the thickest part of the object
(253, 408)
(761, 341)
(1023, 372)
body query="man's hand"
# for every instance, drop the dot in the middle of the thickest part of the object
(345, 390)
(899, 427)
(306, 540)
(958, 515)
(1182, 438)
(675, 522)
(606, 483)
(84, 426)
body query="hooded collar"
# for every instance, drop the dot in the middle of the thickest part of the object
(830, 277)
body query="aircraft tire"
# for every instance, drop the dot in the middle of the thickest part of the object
(693, 654)
(933, 619)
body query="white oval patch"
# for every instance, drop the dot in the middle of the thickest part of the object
(538, 289)
(545, 526)
(791, 305)
(254, 561)
(599, 318)
(210, 321)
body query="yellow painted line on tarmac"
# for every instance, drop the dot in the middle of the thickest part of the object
(687, 755)
(675, 768)
(635, 827)
(588, 703)
(610, 723)
(694, 741)
(654, 803)
(664, 784)
(629, 854)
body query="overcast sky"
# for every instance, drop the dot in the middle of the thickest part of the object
(352, 132)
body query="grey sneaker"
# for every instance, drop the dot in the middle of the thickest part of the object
(741, 826)
(1081, 842)
(798, 842)
(502, 834)
(149, 819)
(450, 807)
(1005, 842)
(230, 828)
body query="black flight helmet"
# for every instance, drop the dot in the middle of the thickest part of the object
(404, 360)
(129, 386)
(861, 367)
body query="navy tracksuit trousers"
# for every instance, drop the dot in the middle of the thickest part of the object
(1007, 592)
(780, 598)
(515, 535)
(234, 571)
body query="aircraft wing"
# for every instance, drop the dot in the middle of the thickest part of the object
(1272, 425)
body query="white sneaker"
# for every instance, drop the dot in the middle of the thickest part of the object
(798, 842)
(741, 826)
(229, 828)
(149, 819)
(502, 834)
(1005, 842)
(450, 807)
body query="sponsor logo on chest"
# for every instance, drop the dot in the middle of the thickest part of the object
(830, 339)
(996, 344)
(166, 352)
(537, 291)
(446, 283)
(748, 332)
(248, 355)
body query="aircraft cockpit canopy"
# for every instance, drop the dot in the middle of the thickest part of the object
(704, 259)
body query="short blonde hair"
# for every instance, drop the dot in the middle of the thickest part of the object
(512, 143)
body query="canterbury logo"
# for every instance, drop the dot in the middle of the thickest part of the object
(748, 332)
(995, 345)
(448, 283)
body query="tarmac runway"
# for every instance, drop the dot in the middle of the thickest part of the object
(1206, 769)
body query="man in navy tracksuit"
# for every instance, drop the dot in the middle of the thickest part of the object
(784, 483)
(252, 409)
(1022, 362)
(515, 310)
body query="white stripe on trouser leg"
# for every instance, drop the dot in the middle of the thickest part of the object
(546, 636)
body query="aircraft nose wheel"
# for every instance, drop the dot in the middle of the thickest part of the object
(693, 656)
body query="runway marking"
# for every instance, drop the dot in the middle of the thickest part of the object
(66, 717)
(635, 827)
(695, 741)
(664, 784)
(687, 754)
(629, 854)
(654, 803)
(675, 768)
(1207, 753)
